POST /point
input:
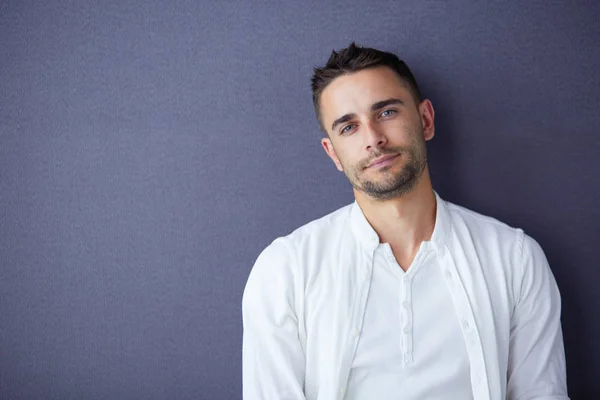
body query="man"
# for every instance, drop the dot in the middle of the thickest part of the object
(399, 295)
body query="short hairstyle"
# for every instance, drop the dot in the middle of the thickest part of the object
(353, 59)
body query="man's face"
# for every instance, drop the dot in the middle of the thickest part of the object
(376, 132)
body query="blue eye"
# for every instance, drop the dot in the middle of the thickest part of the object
(347, 129)
(387, 113)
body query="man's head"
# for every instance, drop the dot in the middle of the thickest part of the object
(353, 59)
(368, 103)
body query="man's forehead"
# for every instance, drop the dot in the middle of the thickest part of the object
(358, 91)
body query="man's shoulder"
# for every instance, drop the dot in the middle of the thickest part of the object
(323, 226)
(485, 226)
(304, 240)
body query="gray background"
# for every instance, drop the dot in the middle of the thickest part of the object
(150, 150)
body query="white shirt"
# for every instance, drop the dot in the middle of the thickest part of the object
(411, 344)
(305, 300)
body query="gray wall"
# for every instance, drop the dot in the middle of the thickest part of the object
(150, 150)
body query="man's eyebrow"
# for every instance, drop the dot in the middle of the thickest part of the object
(381, 104)
(342, 119)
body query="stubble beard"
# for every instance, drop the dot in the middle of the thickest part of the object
(391, 185)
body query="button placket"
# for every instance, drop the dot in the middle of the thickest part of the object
(407, 319)
(402, 312)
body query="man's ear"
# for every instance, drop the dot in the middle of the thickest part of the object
(328, 146)
(427, 117)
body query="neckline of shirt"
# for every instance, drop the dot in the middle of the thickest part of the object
(413, 269)
(367, 236)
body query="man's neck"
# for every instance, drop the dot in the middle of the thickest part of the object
(403, 222)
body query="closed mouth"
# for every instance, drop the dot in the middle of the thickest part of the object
(381, 160)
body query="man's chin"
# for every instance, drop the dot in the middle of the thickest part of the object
(387, 190)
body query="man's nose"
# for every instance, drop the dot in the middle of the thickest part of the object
(375, 138)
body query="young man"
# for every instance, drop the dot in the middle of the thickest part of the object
(399, 295)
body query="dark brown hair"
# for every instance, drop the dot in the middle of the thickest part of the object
(353, 59)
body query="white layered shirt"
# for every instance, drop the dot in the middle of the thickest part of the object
(305, 302)
(411, 344)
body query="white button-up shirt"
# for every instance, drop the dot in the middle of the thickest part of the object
(305, 299)
(410, 333)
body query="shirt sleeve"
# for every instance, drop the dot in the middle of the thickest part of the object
(273, 361)
(536, 364)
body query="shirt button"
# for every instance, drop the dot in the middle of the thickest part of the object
(406, 330)
(465, 324)
(405, 304)
(375, 239)
(448, 275)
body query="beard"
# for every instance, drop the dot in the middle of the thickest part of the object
(390, 184)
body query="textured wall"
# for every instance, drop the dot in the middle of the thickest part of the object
(150, 150)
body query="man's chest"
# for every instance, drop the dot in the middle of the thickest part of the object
(410, 333)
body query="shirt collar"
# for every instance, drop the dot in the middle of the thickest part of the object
(367, 236)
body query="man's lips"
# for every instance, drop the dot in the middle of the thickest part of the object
(382, 161)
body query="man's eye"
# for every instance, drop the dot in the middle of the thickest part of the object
(387, 113)
(347, 129)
